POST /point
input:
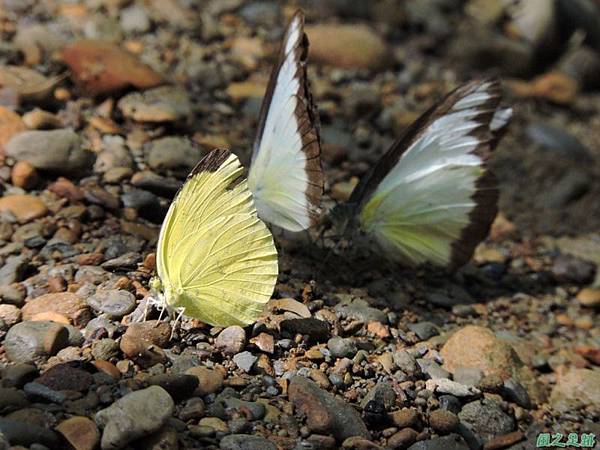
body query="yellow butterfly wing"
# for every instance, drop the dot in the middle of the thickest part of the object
(215, 257)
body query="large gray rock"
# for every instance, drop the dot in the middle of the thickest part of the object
(57, 151)
(136, 415)
(33, 341)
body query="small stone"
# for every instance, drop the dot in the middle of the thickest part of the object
(107, 368)
(115, 303)
(317, 330)
(179, 386)
(405, 418)
(134, 19)
(324, 413)
(215, 423)
(341, 348)
(162, 104)
(423, 330)
(81, 432)
(11, 399)
(65, 303)
(10, 314)
(450, 402)
(515, 392)
(25, 208)
(402, 439)
(11, 293)
(407, 363)
(378, 401)
(135, 415)
(24, 175)
(264, 342)
(450, 442)
(57, 151)
(209, 380)
(360, 443)
(231, 340)
(347, 46)
(432, 369)
(64, 377)
(143, 352)
(504, 441)
(105, 349)
(16, 375)
(33, 341)
(443, 421)
(589, 297)
(360, 310)
(569, 269)
(246, 442)
(576, 389)
(486, 418)
(154, 331)
(27, 434)
(38, 119)
(244, 360)
(446, 386)
(469, 376)
(192, 410)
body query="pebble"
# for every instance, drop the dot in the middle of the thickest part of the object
(65, 303)
(478, 347)
(172, 153)
(244, 360)
(154, 331)
(317, 330)
(24, 207)
(115, 303)
(446, 386)
(576, 389)
(40, 392)
(105, 349)
(359, 309)
(29, 341)
(231, 340)
(179, 386)
(402, 439)
(134, 19)
(38, 119)
(63, 377)
(193, 409)
(57, 151)
(246, 442)
(81, 432)
(162, 104)
(24, 175)
(10, 314)
(16, 375)
(469, 376)
(450, 442)
(432, 369)
(27, 434)
(450, 402)
(569, 269)
(264, 342)
(347, 46)
(589, 297)
(407, 363)
(379, 400)
(324, 413)
(405, 418)
(504, 441)
(486, 418)
(215, 423)
(143, 352)
(133, 416)
(11, 399)
(443, 421)
(209, 380)
(423, 330)
(341, 348)
(515, 392)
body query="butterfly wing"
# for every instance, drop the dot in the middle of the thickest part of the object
(430, 199)
(285, 176)
(215, 257)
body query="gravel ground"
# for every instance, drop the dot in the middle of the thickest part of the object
(105, 107)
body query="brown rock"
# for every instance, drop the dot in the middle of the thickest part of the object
(153, 331)
(504, 441)
(265, 342)
(27, 83)
(589, 297)
(242, 90)
(231, 340)
(475, 346)
(38, 119)
(66, 189)
(143, 352)
(405, 418)
(10, 124)
(24, 175)
(443, 421)
(81, 432)
(553, 86)
(24, 207)
(209, 380)
(359, 443)
(402, 439)
(64, 377)
(347, 46)
(576, 389)
(66, 303)
(325, 413)
(102, 67)
(108, 368)
(10, 314)
(49, 316)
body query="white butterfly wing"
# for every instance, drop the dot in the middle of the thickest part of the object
(435, 200)
(285, 176)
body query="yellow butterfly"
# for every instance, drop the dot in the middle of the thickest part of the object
(216, 260)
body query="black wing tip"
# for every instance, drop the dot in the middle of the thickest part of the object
(211, 161)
